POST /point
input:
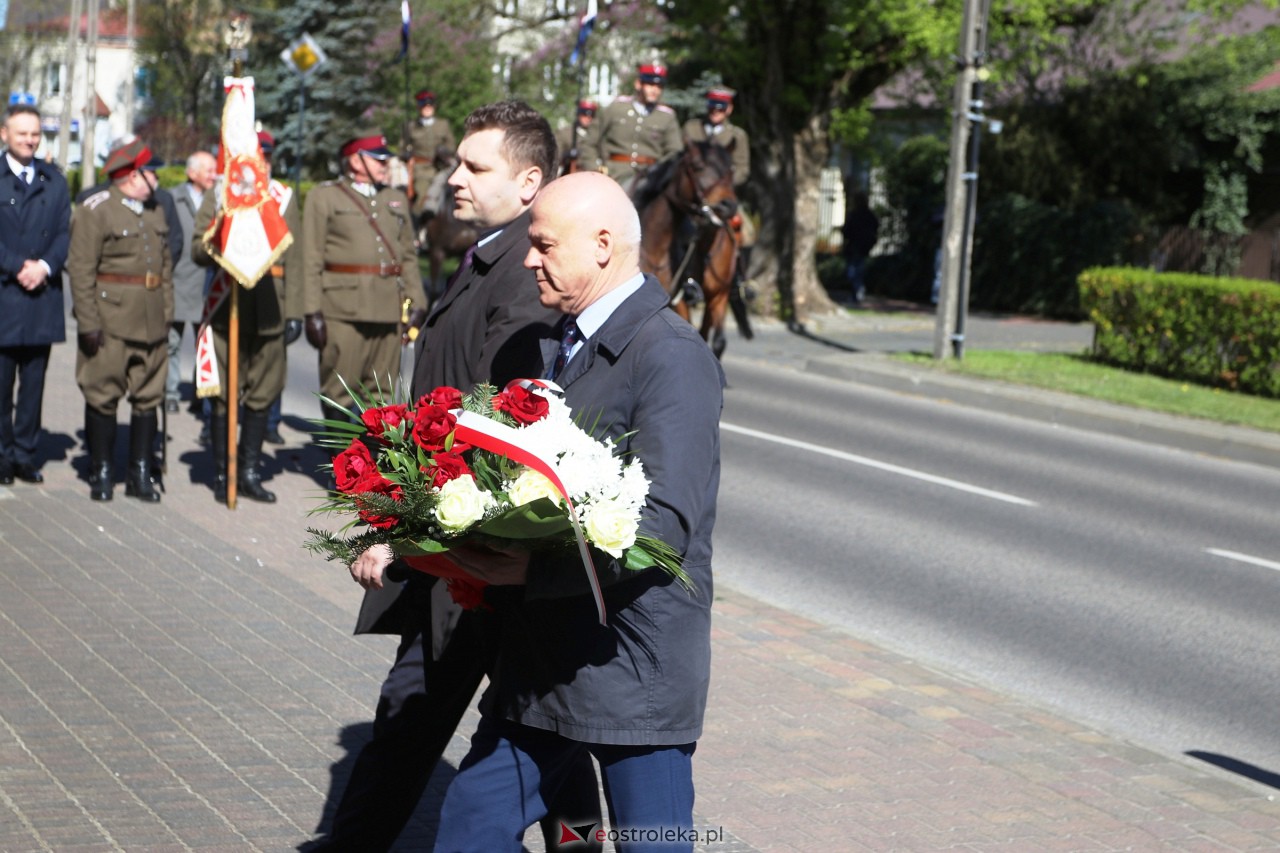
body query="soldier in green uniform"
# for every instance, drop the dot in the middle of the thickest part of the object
(633, 133)
(265, 311)
(715, 126)
(571, 138)
(362, 291)
(421, 141)
(122, 292)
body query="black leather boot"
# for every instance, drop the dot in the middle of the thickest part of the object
(218, 444)
(248, 477)
(100, 438)
(142, 438)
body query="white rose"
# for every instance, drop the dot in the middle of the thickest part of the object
(461, 504)
(530, 486)
(611, 527)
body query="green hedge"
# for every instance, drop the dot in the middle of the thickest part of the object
(1222, 332)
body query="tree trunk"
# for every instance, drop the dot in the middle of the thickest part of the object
(811, 153)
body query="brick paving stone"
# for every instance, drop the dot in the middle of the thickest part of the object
(182, 676)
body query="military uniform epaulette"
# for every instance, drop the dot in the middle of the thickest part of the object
(663, 108)
(96, 199)
(624, 99)
(327, 184)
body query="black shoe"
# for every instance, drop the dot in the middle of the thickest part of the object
(172, 405)
(273, 436)
(6, 473)
(27, 473)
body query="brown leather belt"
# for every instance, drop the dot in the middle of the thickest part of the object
(277, 270)
(150, 281)
(637, 159)
(363, 269)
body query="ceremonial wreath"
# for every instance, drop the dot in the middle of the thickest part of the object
(485, 468)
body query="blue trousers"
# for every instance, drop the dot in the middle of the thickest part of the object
(513, 771)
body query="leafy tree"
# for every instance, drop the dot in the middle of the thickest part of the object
(806, 71)
(339, 101)
(182, 43)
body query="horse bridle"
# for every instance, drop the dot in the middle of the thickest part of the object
(697, 210)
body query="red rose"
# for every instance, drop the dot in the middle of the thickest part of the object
(450, 398)
(382, 486)
(446, 467)
(431, 426)
(352, 466)
(524, 406)
(379, 420)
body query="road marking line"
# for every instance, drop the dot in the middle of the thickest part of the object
(883, 466)
(1243, 558)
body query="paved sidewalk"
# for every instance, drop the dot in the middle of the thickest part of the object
(181, 676)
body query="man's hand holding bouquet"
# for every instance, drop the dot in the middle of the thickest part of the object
(461, 485)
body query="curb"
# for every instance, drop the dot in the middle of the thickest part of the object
(1240, 444)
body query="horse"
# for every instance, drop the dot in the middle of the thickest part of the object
(446, 237)
(686, 206)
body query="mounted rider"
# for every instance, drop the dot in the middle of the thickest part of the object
(634, 132)
(423, 140)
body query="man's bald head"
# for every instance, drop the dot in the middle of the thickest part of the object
(585, 236)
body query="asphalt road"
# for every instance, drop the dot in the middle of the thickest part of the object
(1124, 584)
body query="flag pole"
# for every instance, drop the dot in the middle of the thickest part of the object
(238, 40)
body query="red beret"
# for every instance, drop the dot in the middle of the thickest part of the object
(266, 142)
(125, 158)
(586, 105)
(426, 96)
(374, 145)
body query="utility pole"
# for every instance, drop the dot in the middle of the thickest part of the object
(88, 158)
(131, 37)
(962, 183)
(68, 87)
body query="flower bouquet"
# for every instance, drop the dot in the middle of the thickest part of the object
(483, 468)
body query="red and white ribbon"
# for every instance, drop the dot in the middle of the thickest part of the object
(479, 431)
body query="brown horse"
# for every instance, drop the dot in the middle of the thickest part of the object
(686, 206)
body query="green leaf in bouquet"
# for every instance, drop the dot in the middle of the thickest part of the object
(541, 519)
(418, 547)
(649, 552)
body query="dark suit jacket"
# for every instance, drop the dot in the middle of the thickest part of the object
(648, 381)
(487, 326)
(34, 223)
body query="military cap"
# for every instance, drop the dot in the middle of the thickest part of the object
(426, 96)
(369, 143)
(126, 157)
(587, 107)
(266, 142)
(652, 73)
(719, 97)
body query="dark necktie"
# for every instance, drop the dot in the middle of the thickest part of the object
(462, 267)
(567, 341)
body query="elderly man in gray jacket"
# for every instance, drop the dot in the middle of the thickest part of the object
(631, 692)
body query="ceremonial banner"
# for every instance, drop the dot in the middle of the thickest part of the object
(248, 234)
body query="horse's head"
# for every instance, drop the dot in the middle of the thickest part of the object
(704, 179)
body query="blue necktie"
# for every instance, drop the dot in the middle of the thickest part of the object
(567, 341)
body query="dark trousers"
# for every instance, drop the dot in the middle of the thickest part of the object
(20, 422)
(422, 702)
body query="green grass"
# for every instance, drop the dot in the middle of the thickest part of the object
(1076, 374)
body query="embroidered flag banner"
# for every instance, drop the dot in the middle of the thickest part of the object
(249, 233)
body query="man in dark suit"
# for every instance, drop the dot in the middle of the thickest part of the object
(486, 327)
(35, 216)
(631, 692)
